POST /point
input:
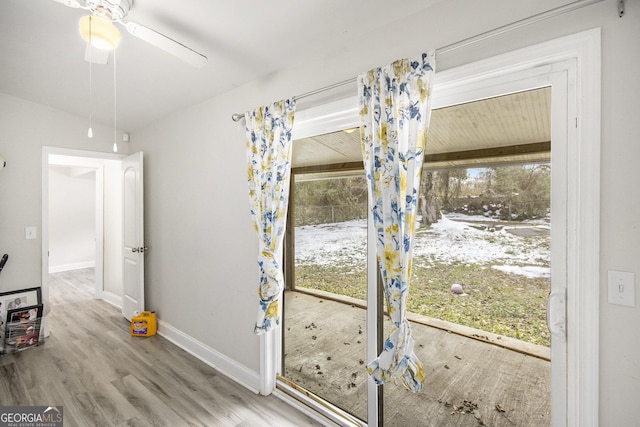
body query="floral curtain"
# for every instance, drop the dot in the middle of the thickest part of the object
(268, 132)
(395, 111)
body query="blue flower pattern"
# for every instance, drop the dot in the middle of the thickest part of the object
(395, 111)
(268, 133)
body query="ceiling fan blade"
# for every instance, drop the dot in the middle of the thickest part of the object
(96, 56)
(165, 43)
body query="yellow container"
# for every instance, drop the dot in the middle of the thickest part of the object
(144, 324)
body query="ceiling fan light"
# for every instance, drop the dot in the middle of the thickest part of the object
(102, 34)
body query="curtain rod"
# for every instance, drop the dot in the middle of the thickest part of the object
(578, 4)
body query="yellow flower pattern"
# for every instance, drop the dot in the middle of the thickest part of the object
(395, 110)
(268, 133)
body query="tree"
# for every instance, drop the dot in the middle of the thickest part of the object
(456, 178)
(330, 200)
(443, 188)
(427, 199)
(525, 188)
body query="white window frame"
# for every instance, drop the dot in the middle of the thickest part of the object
(579, 57)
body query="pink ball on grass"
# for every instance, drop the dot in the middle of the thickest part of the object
(457, 289)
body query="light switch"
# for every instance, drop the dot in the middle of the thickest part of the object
(622, 288)
(30, 233)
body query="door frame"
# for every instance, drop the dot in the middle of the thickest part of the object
(560, 77)
(93, 159)
(579, 57)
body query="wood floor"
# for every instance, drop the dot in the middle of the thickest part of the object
(102, 376)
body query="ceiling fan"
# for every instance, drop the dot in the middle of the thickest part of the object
(98, 29)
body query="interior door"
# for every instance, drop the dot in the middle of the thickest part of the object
(133, 236)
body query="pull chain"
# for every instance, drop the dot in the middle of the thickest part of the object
(90, 133)
(115, 131)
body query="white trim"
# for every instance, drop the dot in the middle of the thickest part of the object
(325, 118)
(584, 238)
(317, 411)
(64, 157)
(99, 227)
(268, 365)
(372, 319)
(583, 198)
(111, 298)
(563, 108)
(44, 255)
(69, 267)
(546, 53)
(579, 56)
(66, 153)
(304, 408)
(223, 364)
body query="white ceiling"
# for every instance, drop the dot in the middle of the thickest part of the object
(42, 53)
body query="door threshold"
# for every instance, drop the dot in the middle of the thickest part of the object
(317, 404)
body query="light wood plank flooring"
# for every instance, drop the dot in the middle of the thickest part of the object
(102, 376)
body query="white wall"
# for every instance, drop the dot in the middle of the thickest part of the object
(25, 127)
(201, 272)
(72, 218)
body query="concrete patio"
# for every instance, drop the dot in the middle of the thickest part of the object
(472, 378)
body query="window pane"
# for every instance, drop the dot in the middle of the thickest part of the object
(325, 314)
(481, 277)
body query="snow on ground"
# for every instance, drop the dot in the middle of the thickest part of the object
(530, 271)
(327, 244)
(446, 241)
(453, 242)
(489, 219)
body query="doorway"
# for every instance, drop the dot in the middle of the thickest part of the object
(72, 218)
(90, 182)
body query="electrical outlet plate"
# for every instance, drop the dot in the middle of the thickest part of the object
(622, 288)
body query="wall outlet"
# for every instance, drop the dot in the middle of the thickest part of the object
(622, 288)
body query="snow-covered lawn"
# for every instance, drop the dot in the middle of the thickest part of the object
(521, 249)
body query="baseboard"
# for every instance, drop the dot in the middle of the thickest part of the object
(74, 266)
(111, 298)
(225, 365)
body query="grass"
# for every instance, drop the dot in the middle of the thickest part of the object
(505, 304)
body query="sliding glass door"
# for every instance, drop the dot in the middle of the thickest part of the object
(478, 293)
(324, 333)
